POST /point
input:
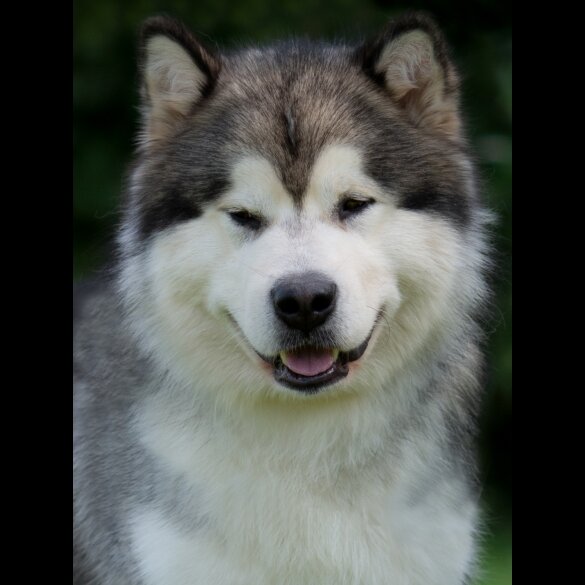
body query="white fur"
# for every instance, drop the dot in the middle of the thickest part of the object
(290, 511)
(299, 489)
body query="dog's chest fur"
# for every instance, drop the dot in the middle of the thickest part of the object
(253, 515)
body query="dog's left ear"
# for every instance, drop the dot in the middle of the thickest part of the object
(410, 60)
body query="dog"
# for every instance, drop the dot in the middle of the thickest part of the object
(280, 381)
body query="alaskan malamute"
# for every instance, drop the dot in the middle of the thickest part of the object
(280, 384)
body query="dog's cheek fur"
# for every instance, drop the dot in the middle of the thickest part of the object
(425, 251)
(172, 313)
(436, 280)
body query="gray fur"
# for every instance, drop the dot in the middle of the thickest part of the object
(110, 377)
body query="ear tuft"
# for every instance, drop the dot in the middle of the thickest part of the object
(410, 59)
(177, 72)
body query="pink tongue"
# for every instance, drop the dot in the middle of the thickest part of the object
(309, 361)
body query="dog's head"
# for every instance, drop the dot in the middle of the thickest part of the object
(302, 219)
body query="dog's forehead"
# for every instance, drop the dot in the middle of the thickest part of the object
(337, 169)
(288, 105)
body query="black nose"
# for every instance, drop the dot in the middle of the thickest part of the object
(304, 301)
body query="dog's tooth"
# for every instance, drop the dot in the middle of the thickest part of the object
(335, 354)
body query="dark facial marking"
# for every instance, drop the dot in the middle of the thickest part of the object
(454, 206)
(179, 203)
(290, 132)
(173, 207)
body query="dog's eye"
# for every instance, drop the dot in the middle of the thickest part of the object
(351, 206)
(246, 219)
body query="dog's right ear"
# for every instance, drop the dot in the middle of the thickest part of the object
(177, 71)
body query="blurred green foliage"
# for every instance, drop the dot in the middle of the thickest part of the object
(105, 120)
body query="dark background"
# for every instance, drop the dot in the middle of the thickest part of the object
(105, 120)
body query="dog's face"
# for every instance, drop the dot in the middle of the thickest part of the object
(296, 222)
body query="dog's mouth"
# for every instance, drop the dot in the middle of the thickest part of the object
(308, 369)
